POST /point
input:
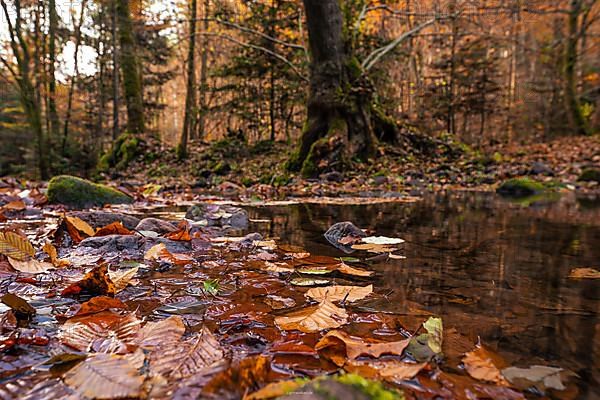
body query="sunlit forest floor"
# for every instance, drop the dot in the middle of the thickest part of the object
(233, 168)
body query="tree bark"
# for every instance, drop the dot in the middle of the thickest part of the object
(130, 69)
(340, 100)
(203, 75)
(52, 28)
(190, 98)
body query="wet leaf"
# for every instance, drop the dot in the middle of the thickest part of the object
(348, 270)
(97, 282)
(584, 273)
(105, 376)
(53, 253)
(278, 267)
(538, 376)
(389, 370)
(182, 233)
(339, 293)
(15, 246)
(276, 389)
(338, 346)
(116, 228)
(435, 330)
(211, 286)
(16, 205)
(78, 229)
(98, 304)
(314, 319)
(480, 364)
(18, 304)
(373, 248)
(309, 281)
(122, 278)
(30, 266)
(161, 333)
(278, 302)
(186, 358)
(154, 252)
(382, 240)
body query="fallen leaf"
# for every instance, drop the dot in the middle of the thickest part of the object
(50, 249)
(314, 319)
(116, 228)
(584, 273)
(161, 333)
(18, 304)
(96, 282)
(30, 266)
(76, 227)
(15, 246)
(382, 240)
(186, 358)
(339, 293)
(16, 205)
(182, 233)
(276, 389)
(538, 376)
(154, 252)
(278, 267)
(278, 302)
(122, 278)
(435, 330)
(349, 270)
(309, 282)
(390, 370)
(105, 376)
(479, 363)
(373, 248)
(98, 304)
(339, 347)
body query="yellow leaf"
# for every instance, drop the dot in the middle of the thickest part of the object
(479, 363)
(121, 278)
(314, 319)
(348, 270)
(584, 273)
(275, 389)
(80, 225)
(53, 253)
(31, 266)
(339, 293)
(15, 246)
(154, 252)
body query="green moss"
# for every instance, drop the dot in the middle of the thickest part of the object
(281, 180)
(221, 168)
(375, 390)
(123, 151)
(80, 193)
(354, 68)
(590, 175)
(309, 166)
(520, 187)
(247, 182)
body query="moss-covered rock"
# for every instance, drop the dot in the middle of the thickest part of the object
(520, 187)
(123, 151)
(80, 193)
(344, 387)
(590, 175)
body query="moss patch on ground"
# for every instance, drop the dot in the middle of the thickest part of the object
(520, 187)
(80, 193)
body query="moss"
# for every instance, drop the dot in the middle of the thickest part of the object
(374, 389)
(221, 168)
(309, 166)
(520, 187)
(354, 68)
(247, 182)
(80, 193)
(281, 180)
(589, 175)
(123, 151)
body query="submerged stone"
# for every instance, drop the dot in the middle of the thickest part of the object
(75, 192)
(590, 175)
(98, 219)
(218, 215)
(340, 230)
(520, 187)
(155, 225)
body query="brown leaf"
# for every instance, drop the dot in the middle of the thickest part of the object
(17, 304)
(98, 304)
(482, 365)
(392, 371)
(77, 228)
(584, 273)
(182, 233)
(15, 246)
(314, 319)
(30, 266)
(122, 278)
(339, 293)
(339, 347)
(155, 334)
(348, 270)
(275, 389)
(105, 376)
(53, 253)
(96, 282)
(16, 205)
(116, 228)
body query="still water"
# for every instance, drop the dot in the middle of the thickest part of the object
(492, 269)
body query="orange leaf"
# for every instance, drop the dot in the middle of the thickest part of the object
(95, 283)
(98, 304)
(182, 233)
(116, 228)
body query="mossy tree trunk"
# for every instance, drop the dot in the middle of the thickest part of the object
(190, 98)
(571, 55)
(52, 28)
(340, 103)
(130, 69)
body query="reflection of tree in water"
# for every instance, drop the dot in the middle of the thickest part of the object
(491, 269)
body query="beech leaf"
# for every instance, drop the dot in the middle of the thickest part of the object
(339, 293)
(314, 319)
(15, 246)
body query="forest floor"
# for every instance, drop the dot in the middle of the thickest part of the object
(232, 168)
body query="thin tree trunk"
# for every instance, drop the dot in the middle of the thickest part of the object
(115, 49)
(52, 28)
(190, 98)
(203, 75)
(130, 69)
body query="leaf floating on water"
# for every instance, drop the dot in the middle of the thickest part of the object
(374, 248)
(116, 228)
(382, 240)
(584, 273)
(435, 330)
(278, 302)
(155, 334)
(339, 293)
(538, 376)
(30, 266)
(481, 365)
(278, 267)
(348, 270)
(122, 278)
(314, 319)
(187, 358)
(390, 370)
(309, 282)
(15, 246)
(105, 376)
(339, 347)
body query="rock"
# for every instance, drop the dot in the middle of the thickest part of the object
(111, 244)
(173, 246)
(98, 219)
(520, 187)
(589, 175)
(539, 168)
(80, 193)
(333, 176)
(340, 230)
(155, 225)
(218, 215)
(380, 180)
(343, 387)
(200, 183)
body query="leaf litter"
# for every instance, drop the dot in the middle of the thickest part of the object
(244, 322)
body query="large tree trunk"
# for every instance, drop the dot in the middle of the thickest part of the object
(340, 101)
(130, 69)
(190, 98)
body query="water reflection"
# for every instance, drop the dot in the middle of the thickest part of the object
(491, 268)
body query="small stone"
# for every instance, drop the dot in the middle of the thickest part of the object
(539, 168)
(155, 225)
(218, 215)
(341, 230)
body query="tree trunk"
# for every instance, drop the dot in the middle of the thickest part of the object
(52, 28)
(340, 101)
(115, 59)
(203, 74)
(571, 54)
(132, 83)
(190, 98)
